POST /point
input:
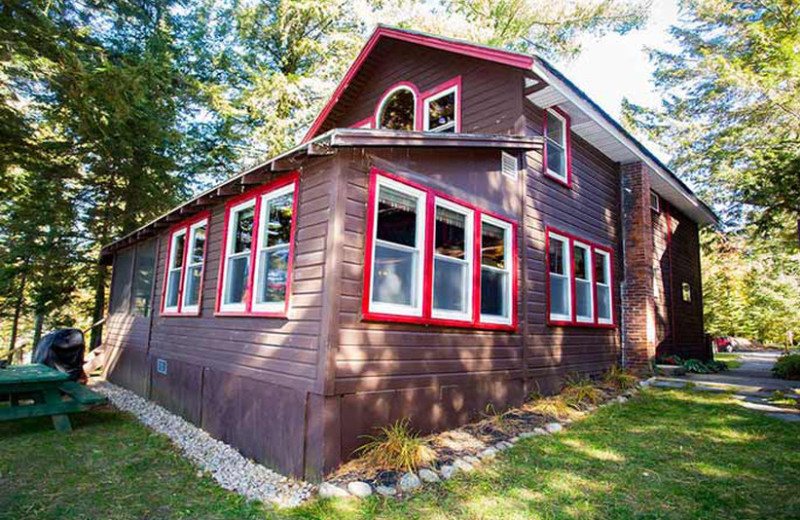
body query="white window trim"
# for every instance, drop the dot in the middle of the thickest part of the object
(387, 96)
(171, 270)
(567, 264)
(229, 244)
(507, 262)
(563, 145)
(607, 269)
(655, 197)
(469, 219)
(457, 109)
(262, 219)
(190, 244)
(421, 197)
(590, 271)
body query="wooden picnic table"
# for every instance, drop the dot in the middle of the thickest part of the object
(47, 389)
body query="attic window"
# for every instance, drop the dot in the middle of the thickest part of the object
(397, 110)
(440, 112)
(655, 202)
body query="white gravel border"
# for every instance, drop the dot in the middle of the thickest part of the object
(227, 466)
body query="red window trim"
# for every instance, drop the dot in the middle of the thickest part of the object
(567, 146)
(256, 193)
(419, 105)
(185, 226)
(593, 246)
(427, 271)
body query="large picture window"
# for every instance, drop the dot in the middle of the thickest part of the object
(436, 260)
(185, 261)
(580, 281)
(557, 153)
(257, 250)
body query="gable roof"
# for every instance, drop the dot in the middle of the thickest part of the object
(590, 121)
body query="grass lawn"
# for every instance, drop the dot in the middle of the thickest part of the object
(731, 359)
(665, 454)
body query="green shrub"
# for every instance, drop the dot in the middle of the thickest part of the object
(619, 378)
(397, 447)
(696, 366)
(787, 367)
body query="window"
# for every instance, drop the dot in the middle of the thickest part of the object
(143, 269)
(257, 250)
(580, 281)
(557, 148)
(495, 271)
(452, 261)
(686, 289)
(432, 259)
(442, 109)
(398, 249)
(655, 202)
(185, 259)
(602, 274)
(121, 282)
(397, 110)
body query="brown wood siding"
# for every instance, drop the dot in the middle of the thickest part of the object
(662, 296)
(491, 93)
(590, 210)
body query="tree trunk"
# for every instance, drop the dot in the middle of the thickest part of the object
(15, 321)
(98, 311)
(37, 329)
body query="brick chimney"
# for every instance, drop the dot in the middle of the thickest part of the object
(638, 308)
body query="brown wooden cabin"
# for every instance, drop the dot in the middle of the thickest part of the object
(461, 226)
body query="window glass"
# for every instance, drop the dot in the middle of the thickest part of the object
(397, 217)
(121, 282)
(559, 279)
(451, 273)
(495, 278)
(194, 268)
(397, 111)
(603, 275)
(273, 258)
(555, 128)
(583, 283)
(143, 278)
(556, 145)
(238, 269)
(243, 230)
(442, 113)
(174, 274)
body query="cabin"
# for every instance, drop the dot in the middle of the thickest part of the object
(460, 226)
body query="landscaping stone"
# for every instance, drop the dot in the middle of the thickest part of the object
(622, 399)
(488, 454)
(540, 431)
(500, 446)
(475, 461)
(359, 489)
(386, 491)
(409, 482)
(429, 476)
(327, 490)
(553, 427)
(514, 440)
(525, 435)
(463, 465)
(448, 471)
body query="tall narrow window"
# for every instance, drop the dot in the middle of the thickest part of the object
(398, 249)
(557, 149)
(584, 293)
(495, 305)
(602, 274)
(194, 267)
(441, 111)
(143, 278)
(174, 270)
(272, 261)
(397, 110)
(241, 225)
(558, 261)
(121, 282)
(452, 261)
(256, 271)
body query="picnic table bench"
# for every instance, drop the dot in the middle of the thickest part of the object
(47, 388)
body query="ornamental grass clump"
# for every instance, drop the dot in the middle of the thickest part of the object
(397, 447)
(553, 406)
(580, 393)
(619, 379)
(787, 367)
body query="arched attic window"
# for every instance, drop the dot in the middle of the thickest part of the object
(398, 110)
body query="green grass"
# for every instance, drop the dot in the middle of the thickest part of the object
(663, 455)
(732, 360)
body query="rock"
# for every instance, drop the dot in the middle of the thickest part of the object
(540, 431)
(409, 482)
(448, 471)
(553, 427)
(622, 399)
(525, 435)
(500, 446)
(386, 491)
(488, 454)
(463, 465)
(328, 490)
(359, 489)
(428, 475)
(475, 461)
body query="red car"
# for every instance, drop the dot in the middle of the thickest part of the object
(723, 344)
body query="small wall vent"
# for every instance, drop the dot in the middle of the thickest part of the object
(509, 165)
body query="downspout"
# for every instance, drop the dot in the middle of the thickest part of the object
(674, 330)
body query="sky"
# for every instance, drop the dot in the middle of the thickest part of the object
(617, 66)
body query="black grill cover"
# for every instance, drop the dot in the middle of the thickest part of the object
(63, 350)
